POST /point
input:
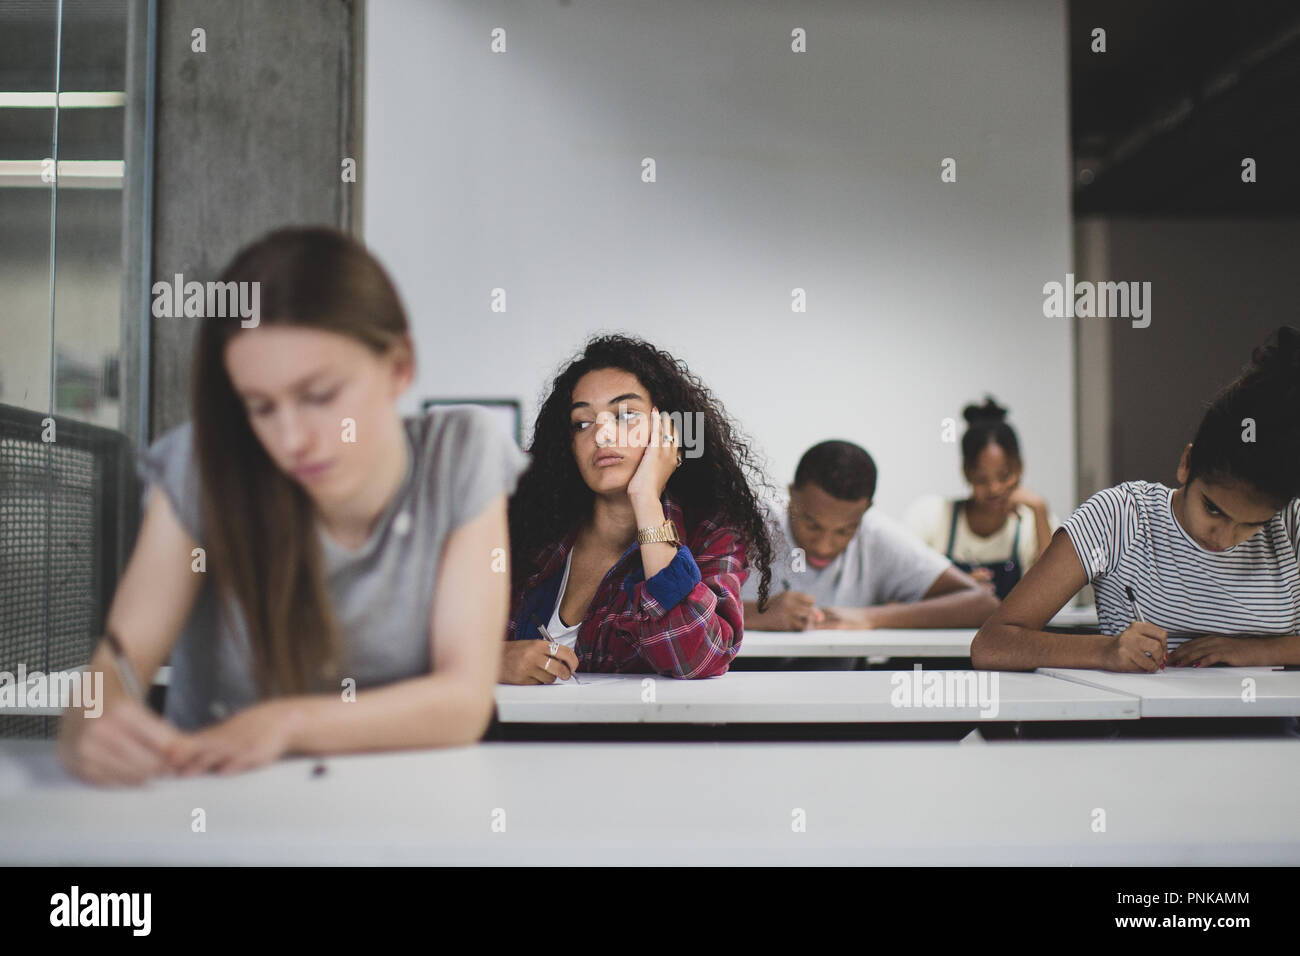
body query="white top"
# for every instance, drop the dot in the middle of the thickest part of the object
(1128, 535)
(930, 519)
(1178, 802)
(568, 636)
(883, 562)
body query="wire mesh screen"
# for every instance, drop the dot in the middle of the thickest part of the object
(28, 727)
(62, 505)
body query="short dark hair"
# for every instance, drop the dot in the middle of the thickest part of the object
(840, 468)
(1267, 393)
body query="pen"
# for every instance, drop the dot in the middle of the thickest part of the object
(546, 636)
(1137, 611)
(1133, 603)
(785, 586)
(122, 664)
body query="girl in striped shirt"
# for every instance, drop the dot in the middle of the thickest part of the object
(1206, 573)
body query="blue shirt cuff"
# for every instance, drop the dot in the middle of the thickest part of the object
(677, 579)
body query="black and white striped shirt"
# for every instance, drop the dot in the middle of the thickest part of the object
(1128, 535)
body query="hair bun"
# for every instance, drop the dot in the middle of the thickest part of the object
(990, 411)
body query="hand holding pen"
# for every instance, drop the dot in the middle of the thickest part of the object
(125, 743)
(791, 611)
(1141, 647)
(553, 653)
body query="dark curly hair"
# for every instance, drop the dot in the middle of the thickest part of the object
(552, 497)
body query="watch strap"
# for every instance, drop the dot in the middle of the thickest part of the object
(665, 533)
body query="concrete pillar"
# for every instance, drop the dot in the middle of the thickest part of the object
(250, 135)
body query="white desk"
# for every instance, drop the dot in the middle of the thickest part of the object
(1070, 616)
(876, 644)
(794, 697)
(684, 804)
(885, 642)
(1198, 691)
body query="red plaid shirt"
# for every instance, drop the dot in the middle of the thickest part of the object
(685, 621)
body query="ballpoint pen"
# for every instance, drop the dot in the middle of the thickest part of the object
(546, 636)
(1137, 612)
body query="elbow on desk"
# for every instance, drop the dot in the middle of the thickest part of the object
(983, 650)
(711, 664)
(991, 649)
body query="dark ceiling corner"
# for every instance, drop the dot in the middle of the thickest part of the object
(1185, 90)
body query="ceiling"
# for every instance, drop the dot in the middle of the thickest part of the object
(1160, 122)
(1186, 89)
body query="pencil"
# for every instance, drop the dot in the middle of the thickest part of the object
(122, 663)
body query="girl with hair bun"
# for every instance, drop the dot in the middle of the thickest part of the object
(1205, 573)
(999, 531)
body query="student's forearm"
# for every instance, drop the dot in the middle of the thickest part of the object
(438, 710)
(1010, 647)
(755, 621)
(1280, 651)
(967, 608)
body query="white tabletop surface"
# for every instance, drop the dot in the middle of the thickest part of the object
(880, 643)
(884, 642)
(1070, 616)
(1199, 691)
(684, 804)
(796, 697)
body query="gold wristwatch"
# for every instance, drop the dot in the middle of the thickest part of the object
(666, 533)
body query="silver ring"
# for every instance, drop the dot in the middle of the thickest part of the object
(547, 668)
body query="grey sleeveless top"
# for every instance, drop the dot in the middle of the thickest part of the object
(382, 593)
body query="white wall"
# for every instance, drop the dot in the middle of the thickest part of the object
(775, 170)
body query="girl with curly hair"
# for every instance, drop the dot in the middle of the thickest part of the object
(629, 548)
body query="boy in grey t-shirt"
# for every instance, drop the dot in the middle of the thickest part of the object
(840, 566)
